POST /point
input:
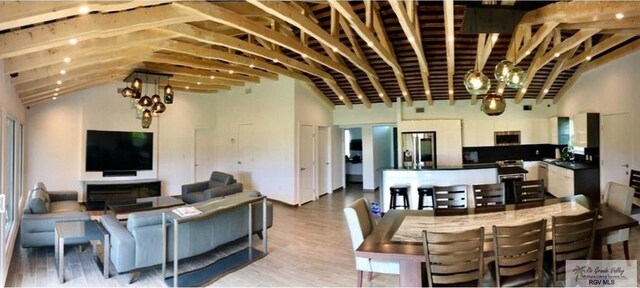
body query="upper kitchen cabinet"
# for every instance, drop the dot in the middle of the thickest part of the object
(559, 130)
(482, 132)
(586, 130)
(477, 133)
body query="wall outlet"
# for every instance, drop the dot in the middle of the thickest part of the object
(537, 152)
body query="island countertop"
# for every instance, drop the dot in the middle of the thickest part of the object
(448, 167)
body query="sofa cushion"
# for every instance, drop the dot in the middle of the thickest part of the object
(220, 177)
(193, 197)
(38, 201)
(40, 185)
(65, 207)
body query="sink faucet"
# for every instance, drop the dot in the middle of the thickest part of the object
(565, 154)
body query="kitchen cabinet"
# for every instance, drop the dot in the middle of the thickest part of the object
(563, 181)
(477, 133)
(532, 168)
(559, 130)
(586, 130)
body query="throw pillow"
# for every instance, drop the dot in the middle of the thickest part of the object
(38, 202)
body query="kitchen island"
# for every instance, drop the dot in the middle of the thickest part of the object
(442, 176)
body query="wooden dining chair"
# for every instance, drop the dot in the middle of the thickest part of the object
(488, 195)
(361, 224)
(634, 181)
(573, 238)
(529, 191)
(450, 198)
(518, 254)
(454, 259)
(620, 198)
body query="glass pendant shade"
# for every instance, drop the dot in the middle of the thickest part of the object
(493, 104)
(139, 111)
(127, 92)
(155, 98)
(145, 101)
(146, 118)
(137, 94)
(158, 108)
(476, 82)
(516, 78)
(168, 94)
(501, 72)
(136, 85)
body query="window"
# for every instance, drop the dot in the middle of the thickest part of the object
(13, 171)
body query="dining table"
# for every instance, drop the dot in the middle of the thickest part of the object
(398, 234)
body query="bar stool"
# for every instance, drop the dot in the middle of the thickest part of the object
(402, 190)
(422, 192)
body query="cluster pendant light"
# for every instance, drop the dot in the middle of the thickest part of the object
(146, 107)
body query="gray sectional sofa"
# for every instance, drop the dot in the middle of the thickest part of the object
(219, 184)
(138, 245)
(43, 209)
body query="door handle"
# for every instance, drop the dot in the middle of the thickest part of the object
(239, 162)
(327, 163)
(625, 165)
(302, 169)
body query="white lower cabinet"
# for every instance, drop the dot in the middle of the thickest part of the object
(560, 181)
(532, 167)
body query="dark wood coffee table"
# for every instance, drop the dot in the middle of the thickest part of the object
(123, 207)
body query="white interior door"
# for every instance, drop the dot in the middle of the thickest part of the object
(324, 162)
(245, 155)
(203, 154)
(306, 165)
(615, 149)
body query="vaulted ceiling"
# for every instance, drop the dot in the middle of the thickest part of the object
(357, 52)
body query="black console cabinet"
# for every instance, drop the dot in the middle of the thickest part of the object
(100, 191)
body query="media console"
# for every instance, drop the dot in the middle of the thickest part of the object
(97, 192)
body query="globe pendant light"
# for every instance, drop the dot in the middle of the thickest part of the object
(127, 92)
(516, 78)
(493, 104)
(145, 101)
(158, 108)
(137, 95)
(501, 71)
(168, 94)
(476, 82)
(146, 118)
(136, 85)
(155, 98)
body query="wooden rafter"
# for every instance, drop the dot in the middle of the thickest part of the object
(85, 48)
(202, 86)
(450, 47)
(599, 48)
(409, 22)
(558, 67)
(535, 40)
(345, 9)
(288, 13)
(381, 32)
(69, 90)
(207, 80)
(172, 69)
(179, 59)
(117, 73)
(98, 26)
(229, 18)
(575, 12)
(356, 48)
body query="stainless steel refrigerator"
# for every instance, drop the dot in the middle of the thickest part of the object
(419, 150)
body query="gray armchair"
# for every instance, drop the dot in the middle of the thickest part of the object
(41, 212)
(219, 184)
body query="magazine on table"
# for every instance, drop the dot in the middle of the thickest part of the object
(187, 211)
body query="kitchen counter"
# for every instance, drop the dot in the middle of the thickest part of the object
(454, 167)
(572, 165)
(512, 170)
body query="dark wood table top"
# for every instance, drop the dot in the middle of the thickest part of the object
(379, 245)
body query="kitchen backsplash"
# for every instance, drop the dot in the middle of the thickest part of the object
(490, 154)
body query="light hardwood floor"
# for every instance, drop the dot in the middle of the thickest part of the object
(308, 246)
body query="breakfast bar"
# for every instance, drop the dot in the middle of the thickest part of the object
(441, 176)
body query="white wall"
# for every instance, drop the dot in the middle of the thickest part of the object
(55, 137)
(610, 89)
(382, 151)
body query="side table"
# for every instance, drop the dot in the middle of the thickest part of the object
(89, 230)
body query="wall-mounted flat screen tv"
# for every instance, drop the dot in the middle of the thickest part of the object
(118, 151)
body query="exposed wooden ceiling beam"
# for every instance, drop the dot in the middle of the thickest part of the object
(533, 68)
(450, 46)
(358, 51)
(566, 45)
(206, 80)
(68, 90)
(97, 26)
(288, 13)
(572, 12)
(243, 61)
(84, 64)
(599, 48)
(569, 83)
(229, 18)
(365, 33)
(172, 69)
(201, 86)
(625, 23)
(49, 91)
(85, 48)
(381, 32)
(28, 13)
(177, 59)
(535, 40)
(191, 89)
(321, 95)
(353, 83)
(409, 22)
(558, 67)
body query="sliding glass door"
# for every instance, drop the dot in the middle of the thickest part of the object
(9, 180)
